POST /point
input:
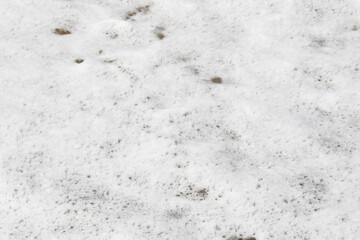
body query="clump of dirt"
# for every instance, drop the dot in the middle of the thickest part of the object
(78, 61)
(194, 194)
(130, 14)
(217, 80)
(109, 61)
(141, 9)
(202, 193)
(61, 31)
(159, 32)
(241, 238)
(160, 35)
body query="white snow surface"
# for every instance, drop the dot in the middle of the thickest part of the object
(137, 142)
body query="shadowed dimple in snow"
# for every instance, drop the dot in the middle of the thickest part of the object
(176, 214)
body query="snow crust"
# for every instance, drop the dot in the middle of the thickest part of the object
(138, 142)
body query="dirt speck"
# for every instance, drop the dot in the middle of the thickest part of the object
(194, 194)
(217, 80)
(61, 31)
(141, 9)
(112, 34)
(241, 238)
(160, 35)
(109, 61)
(78, 61)
(130, 14)
(159, 32)
(202, 193)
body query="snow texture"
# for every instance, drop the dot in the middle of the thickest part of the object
(191, 119)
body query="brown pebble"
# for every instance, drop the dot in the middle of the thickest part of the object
(79, 61)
